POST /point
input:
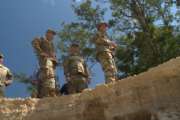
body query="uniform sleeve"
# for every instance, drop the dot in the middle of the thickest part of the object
(53, 51)
(36, 43)
(99, 39)
(9, 75)
(86, 70)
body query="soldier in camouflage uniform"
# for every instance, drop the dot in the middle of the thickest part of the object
(36, 85)
(5, 76)
(75, 70)
(105, 49)
(45, 51)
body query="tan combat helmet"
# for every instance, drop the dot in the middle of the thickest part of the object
(74, 44)
(74, 48)
(1, 55)
(101, 24)
(51, 31)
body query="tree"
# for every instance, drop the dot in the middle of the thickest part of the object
(23, 78)
(143, 29)
(147, 32)
(148, 25)
(82, 30)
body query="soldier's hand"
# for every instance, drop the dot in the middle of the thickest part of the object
(8, 82)
(44, 54)
(114, 44)
(55, 61)
(54, 56)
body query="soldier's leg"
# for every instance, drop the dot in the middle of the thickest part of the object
(1, 91)
(71, 88)
(82, 87)
(51, 76)
(114, 68)
(81, 84)
(77, 84)
(42, 89)
(48, 80)
(34, 93)
(43, 92)
(52, 87)
(48, 88)
(42, 76)
(108, 67)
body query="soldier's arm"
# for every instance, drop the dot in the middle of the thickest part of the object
(9, 78)
(98, 39)
(36, 45)
(87, 72)
(53, 55)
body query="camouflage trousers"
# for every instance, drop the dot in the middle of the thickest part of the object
(108, 65)
(35, 92)
(47, 87)
(1, 91)
(77, 84)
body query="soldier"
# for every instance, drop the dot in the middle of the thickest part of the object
(36, 85)
(45, 51)
(5, 76)
(75, 70)
(105, 49)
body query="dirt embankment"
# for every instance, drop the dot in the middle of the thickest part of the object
(152, 95)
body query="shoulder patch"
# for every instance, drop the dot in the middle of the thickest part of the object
(5, 68)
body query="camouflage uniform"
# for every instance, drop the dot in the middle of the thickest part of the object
(76, 73)
(35, 84)
(5, 75)
(105, 55)
(47, 65)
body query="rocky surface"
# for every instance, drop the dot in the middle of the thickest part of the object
(152, 95)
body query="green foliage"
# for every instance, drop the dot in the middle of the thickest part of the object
(81, 31)
(146, 31)
(23, 78)
(133, 15)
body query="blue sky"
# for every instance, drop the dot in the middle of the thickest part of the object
(20, 22)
